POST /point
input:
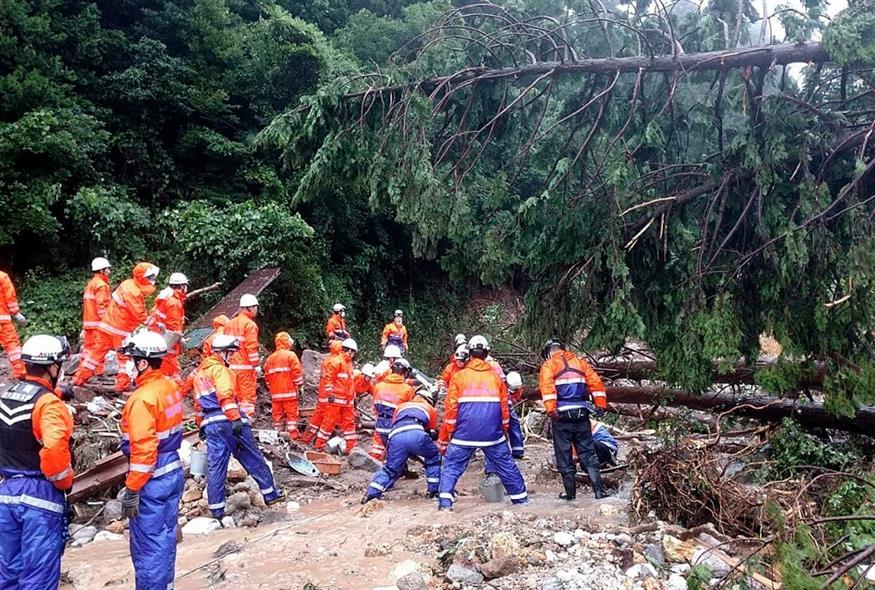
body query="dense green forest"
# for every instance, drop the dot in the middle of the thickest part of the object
(695, 210)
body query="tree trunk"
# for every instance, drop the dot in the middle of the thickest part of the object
(741, 374)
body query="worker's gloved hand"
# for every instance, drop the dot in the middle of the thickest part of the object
(131, 503)
(442, 446)
(330, 399)
(599, 413)
(202, 434)
(433, 434)
(258, 371)
(65, 392)
(20, 319)
(237, 427)
(554, 414)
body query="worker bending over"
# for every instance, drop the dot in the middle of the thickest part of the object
(35, 469)
(568, 385)
(284, 375)
(389, 394)
(168, 319)
(412, 435)
(226, 429)
(334, 348)
(151, 437)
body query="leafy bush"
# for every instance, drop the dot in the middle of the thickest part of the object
(793, 447)
(52, 302)
(113, 222)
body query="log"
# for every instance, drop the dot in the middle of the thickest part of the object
(741, 374)
(764, 55)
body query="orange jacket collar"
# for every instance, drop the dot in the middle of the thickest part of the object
(246, 313)
(102, 277)
(39, 381)
(152, 375)
(478, 365)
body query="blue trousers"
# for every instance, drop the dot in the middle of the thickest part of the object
(498, 456)
(153, 533)
(402, 446)
(31, 539)
(221, 444)
(516, 440)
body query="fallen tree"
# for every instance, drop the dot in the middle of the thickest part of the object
(740, 374)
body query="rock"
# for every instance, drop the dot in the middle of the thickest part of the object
(623, 539)
(680, 568)
(228, 523)
(257, 500)
(412, 581)
(292, 507)
(192, 495)
(642, 570)
(677, 551)
(201, 526)
(250, 520)
(112, 510)
(653, 552)
(463, 575)
(553, 583)
(504, 544)
(500, 566)
(116, 527)
(359, 459)
(564, 539)
(108, 536)
(653, 584)
(718, 567)
(676, 582)
(83, 534)
(237, 502)
(236, 471)
(181, 521)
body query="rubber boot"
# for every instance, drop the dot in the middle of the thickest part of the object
(595, 479)
(570, 485)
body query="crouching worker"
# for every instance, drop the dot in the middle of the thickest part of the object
(151, 437)
(606, 447)
(225, 429)
(412, 435)
(35, 429)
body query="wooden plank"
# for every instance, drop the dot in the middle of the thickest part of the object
(255, 283)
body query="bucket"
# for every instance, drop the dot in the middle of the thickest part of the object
(492, 489)
(336, 445)
(198, 463)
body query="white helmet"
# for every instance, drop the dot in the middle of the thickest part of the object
(338, 307)
(514, 381)
(152, 272)
(478, 343)
(401, 365)
(43, 349)
(225, 342)
(462, 353)
(177, 278)
(145, 344)
(392, 352)
(460, 340)
(248, 300)
(350, 344)
(99, 263)
(398, 312)
(369, 370)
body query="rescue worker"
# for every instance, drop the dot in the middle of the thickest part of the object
(9, 312)
(395, 332)
(168, 319)
(567, 384)
(126, 311)
(335, 327)
(457, 363)
(35, 469)
(390, 354)
(339, 391)
(606, 447)
(477, 417)
(226, 429)
(412, 435)
(95, 302)
(515, 432)
(151, 437)
(389, 394)
(284, 375)
(334, 348)
(364, 380)
(246, 360)
(219, 323)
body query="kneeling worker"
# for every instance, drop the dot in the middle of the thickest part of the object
(226, 430)
(412, 435)
(151, 437)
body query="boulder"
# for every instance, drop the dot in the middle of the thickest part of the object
(193, 494)
(412, 581)
(464, 575)
(236, 471)
(623, 539)
(499, 567)
(359, 459)
(228, 522)
(112, 510)
(504, 544)
(718, 567)
(201, 526)
(237, 502)
(654, 554)
(83, 534)
(677, 551)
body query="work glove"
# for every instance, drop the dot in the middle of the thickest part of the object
(442, 446)
(66, 393)
(131, 503)
(433, 434)
(237, 427)
(330, 399)
(20, 319)
(599, 413)
(202, 434)
(258, 372)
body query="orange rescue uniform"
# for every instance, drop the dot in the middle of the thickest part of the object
(8, 334)
(335, 328)
(95, 302)
(393, 334)
(339, 392)
(284, 375)
(559, 378)
(245, 360)
(321, 397)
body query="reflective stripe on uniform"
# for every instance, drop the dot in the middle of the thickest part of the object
(287, 395)
(104, 327)
(35, 502)
(173, 466)
(518, 496)
(241, 367)
(476, 443)
(406, 428)
(463, 400)
(142, 468)
(66, 472)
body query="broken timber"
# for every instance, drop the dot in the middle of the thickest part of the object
(739, 374)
